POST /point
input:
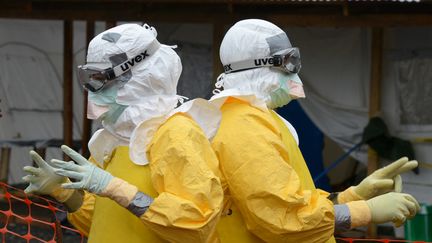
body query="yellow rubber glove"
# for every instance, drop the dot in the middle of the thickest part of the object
(384, 180)
(393, 207)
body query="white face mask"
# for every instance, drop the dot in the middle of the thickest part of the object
(94, 111)
(103, 105)
(290, 88)
(280, 96)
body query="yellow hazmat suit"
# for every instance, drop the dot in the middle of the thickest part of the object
(232, 228)
(188, 195)
(268, 177)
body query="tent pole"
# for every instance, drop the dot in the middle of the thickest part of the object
(86, 132)
(375, 100)
(67, 82)
(375, 87)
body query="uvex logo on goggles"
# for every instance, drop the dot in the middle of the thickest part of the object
(288, 62)
(275, 61)
(131, 62)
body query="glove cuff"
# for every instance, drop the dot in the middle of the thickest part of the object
(61, 194)
(348, 195)
(360, 213)
(120, 191)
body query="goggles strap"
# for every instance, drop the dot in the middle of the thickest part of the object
(250, 64)
(272, 61)
(128, 64)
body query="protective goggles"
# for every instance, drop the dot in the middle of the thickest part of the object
(289, 62)
(95, 76)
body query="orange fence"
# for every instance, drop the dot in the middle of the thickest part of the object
(35, 219)
(350, 240)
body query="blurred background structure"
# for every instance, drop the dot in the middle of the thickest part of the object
(360, 58)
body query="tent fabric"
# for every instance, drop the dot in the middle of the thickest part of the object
(31, 86)
(31, 89)
(414, 89)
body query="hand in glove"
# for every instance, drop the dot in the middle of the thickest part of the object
(95, 180)
(88, 176)
(385, 179)
(394, 207)
(381, 181)
(44, 181)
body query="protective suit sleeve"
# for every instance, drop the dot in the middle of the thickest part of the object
(189, 203)
(81, 219)
(264, 185)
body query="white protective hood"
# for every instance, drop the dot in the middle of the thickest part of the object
(149, 92)
(251, 39)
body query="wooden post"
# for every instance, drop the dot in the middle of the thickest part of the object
(218, 34)
(67, 82)
(4, 164)
(86, 128)
(375, 86)
(375, 100)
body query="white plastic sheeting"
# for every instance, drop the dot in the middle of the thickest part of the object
(407, 110)
(31, 66)
(414, 91)
(31, 85)
(30, 80)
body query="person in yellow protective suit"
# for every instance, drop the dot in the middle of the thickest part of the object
(153, 176)
(259, 155)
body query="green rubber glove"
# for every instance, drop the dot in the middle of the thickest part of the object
(42, 179)
(385, 180)
(87, 176)
(393, 207)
